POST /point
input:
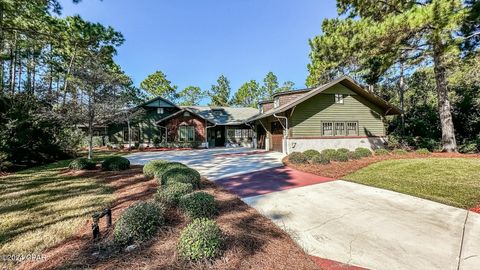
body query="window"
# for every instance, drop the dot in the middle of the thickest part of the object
(352, 129)
(339, 129)
(186, 133)
(339, 98)
(159, 110)
(186, 114)
(276, 102)
(217, 112)
(327, 129)
(135, 134)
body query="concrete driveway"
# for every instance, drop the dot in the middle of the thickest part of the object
(341, 221)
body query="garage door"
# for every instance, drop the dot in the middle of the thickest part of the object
(277, 142)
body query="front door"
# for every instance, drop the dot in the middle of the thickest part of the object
(261, 136)
(216, 136)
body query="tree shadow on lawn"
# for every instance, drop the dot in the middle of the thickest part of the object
(251, 240)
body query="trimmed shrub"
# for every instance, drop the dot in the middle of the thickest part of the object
(354, 155)
(115, 164)
(320, 159)
(151, 167)
(162, 168)
(182, 175)
(343, 150)
(363, 152)
(171, 193)
(399, 151)
(201, 239)
(139, 222)
(381, 152)
(311, 153)
(82, 164)
(297, 158)
(422, 151)
(341, 156)
(198, 205)
(329, 153)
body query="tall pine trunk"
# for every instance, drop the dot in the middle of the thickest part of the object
(449, 144)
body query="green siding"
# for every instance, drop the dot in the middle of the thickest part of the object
(147, 125)
(307, 117)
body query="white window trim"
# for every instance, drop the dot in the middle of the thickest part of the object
(339, 98)
(160, 110)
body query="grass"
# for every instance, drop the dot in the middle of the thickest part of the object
(452, 181)
(43, 206)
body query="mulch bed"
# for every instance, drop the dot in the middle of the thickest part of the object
(252, 240)
(339, 169)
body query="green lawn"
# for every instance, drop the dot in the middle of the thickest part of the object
(452, 181)
(42, 206)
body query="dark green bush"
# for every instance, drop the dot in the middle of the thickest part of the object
(162, 168)
(363, 152)
(354, 155)
(198, 205)
(297, 158)
(311, 153)
(115, 164)
(381, 152)
(343, 150)
(182, 175)
(152, 166)
(320, 159)
(201, 239)
(399, 152)
(82, 164)
(329, 153)
(171, 193)
(341, 156)
(422, 151)
(139, 222)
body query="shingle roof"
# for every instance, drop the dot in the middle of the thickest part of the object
(345, 80)
(223, 115)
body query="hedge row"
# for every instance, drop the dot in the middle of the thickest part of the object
(343, 155)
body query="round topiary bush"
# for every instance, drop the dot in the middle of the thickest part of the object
(381, 152)
(422, 151)
(115, 164)
(198, 205)
(311, 153)
(82, 164)
(152, 166)
(320, 159)
(160, 169)
(354, 155)
(341, 156)
(363, 152)
(400, 152)
(297, 158)
(201, 239)
(171, 193)
(329, 153)
(139, 222)
(343, 150)
(182, 175)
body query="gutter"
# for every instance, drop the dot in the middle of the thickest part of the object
(285, 135)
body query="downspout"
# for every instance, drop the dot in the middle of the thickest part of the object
(254, 137)
(285, 135)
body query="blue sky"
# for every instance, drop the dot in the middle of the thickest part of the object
(194, 41)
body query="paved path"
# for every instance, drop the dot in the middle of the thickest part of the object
(338, 220)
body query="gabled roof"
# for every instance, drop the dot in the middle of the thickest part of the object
(344, 80)
(217, 115)
(153, 100)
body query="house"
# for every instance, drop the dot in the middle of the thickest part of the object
(339, 114)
